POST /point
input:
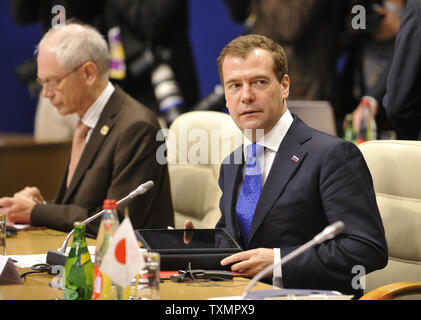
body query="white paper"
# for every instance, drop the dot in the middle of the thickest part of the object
(3, 261)
(28, 260)
(21, 226)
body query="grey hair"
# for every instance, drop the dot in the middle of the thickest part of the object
(75, 48)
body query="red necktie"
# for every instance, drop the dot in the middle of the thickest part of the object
(77, 148)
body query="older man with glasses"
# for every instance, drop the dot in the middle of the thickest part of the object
(114, 144)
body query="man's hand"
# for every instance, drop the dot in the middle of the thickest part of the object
(17, 210)
(357, 114)
(250, 262)
(188, 224)
(32, 193)
(389, 26)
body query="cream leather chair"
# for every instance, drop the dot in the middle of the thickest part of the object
(395, 166)
(197, 143)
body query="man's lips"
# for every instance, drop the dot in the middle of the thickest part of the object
(249, 112)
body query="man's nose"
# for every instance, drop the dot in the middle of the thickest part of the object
(47, 92)
(247, 95)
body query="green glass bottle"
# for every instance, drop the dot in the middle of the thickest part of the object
(3, 234)
(349, 132)
(368, 127)
(78, 269)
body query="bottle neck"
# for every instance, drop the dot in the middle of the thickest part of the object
(79, 234)
(110, 214)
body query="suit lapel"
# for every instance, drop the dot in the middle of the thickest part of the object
(62, 189)
(99, 134)
(231, 179)
(290, 155)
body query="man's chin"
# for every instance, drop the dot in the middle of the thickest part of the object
(251, 125)
(61, 110)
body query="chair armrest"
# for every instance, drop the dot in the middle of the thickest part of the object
(392, 291)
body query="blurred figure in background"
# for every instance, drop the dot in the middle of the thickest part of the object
(159, 66)
(310, 33)
(114, 144)
(375, 44)
(402, 101)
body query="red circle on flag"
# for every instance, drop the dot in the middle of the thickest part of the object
(120, 251)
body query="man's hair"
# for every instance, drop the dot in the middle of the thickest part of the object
(243, 45)
(75, 48)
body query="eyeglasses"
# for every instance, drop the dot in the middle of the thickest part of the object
(54, 83)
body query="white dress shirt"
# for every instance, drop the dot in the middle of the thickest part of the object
(271, 141)
(93, 113)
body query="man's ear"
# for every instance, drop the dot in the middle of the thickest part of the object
(90, 72)
(285, 86)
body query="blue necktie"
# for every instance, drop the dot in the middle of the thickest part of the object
(250, 190)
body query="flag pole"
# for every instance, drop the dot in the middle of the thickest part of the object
(136, 287)
(126, 214)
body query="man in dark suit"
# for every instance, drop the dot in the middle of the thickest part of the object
(402, 101)
(306, 181)
(114, 147)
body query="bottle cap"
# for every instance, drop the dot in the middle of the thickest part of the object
(110, 204)
(78, 223)
(365, 102)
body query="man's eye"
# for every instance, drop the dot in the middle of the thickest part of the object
(260, 83)
(234, 86)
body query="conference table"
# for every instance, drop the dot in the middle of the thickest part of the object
(36, 286)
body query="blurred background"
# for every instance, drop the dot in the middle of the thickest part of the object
(211, 27)
(171, 47)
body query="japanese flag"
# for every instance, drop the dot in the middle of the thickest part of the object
(123, 259)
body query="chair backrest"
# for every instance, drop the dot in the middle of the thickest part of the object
(197, 143)
(318, 114)
(395, 166)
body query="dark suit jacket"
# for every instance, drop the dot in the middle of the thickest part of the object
(330, 182)
(402, 101)
(111, 166)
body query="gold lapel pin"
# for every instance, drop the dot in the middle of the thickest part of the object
(104, 130)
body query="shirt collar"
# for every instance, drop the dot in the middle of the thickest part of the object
(93, 113)
(273, 139)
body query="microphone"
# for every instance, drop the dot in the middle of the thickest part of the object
(59, 257)
(328, 233)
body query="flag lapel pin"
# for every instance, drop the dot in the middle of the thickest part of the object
(295, 158)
